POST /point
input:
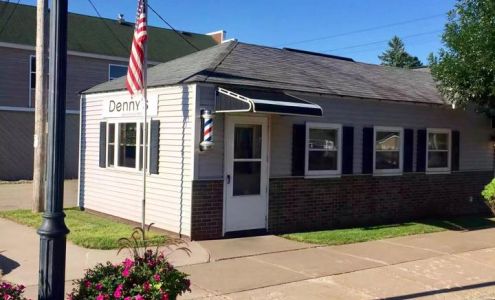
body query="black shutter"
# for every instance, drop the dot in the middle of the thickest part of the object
(347, 149)
(103, 144)
(408, 149)
(455, 150)
(421, 151)
(368, 133)
(298, 149)
(154, 146)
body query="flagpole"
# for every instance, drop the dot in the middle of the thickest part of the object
(145, 124)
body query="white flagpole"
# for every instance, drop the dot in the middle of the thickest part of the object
(145, 124)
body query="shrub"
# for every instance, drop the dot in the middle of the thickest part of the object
(489, 192)
(9, 291)
(148, 275)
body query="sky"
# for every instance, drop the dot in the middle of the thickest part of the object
(358, 29)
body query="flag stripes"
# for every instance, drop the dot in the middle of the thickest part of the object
(135, 79)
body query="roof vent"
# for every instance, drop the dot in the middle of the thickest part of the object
(319, 54)
(120, 19)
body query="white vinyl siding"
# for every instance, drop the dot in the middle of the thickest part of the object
(119, 192)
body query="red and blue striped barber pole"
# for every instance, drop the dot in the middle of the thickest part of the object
(207, 142)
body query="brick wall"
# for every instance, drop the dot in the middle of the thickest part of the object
(207, 209)
(298, 204)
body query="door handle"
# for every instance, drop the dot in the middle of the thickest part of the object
(228, 179)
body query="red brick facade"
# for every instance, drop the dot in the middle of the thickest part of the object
(298, 204)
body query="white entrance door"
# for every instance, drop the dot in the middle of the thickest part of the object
(246, 173)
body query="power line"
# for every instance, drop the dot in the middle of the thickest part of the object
(382, 41)
(361, 30)
(171, 27)
(10, 16)
(108, 27)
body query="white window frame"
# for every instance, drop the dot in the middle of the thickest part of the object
(449, 143)
(323, 173)
(117, 143)
(30, 81)
(114, 65)
(399, 170)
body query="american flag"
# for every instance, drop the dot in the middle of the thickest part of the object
(135, 71)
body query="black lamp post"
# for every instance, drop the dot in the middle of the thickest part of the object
(53, 230)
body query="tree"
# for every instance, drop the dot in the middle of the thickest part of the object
(397, 56)
(465, 69)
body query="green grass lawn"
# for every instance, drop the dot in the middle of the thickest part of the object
(86, 229)
(363, 234)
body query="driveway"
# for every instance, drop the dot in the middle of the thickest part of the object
(445, 265)
(19, 195)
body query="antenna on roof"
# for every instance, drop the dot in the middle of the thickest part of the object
(120, 19)
(319, 54)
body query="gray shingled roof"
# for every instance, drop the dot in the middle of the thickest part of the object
(235, 63)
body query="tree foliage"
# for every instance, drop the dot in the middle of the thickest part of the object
(397, 56)
(465, 68)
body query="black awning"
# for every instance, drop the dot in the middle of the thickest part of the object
(263, 101)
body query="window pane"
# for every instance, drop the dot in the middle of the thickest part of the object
(322, 160)
(387, 140)
(111, 133)
(111, 144)
(33, 80)
(127, 145)
(438, 141)
(117, 71)
(246, 178)
(387, 160)
(438, 159)
(33, 63)
(325, 139)
(247, 141)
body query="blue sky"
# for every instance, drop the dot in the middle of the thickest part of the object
(283, 23)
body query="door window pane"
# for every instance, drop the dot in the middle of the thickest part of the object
(247, 176)
(127, 145)
(247, 141)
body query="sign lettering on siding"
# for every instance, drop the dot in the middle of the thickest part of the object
(129, 107)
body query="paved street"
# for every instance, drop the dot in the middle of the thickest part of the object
(18, 195)
(445, 265)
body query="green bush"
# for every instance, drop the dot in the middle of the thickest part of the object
(489, 192)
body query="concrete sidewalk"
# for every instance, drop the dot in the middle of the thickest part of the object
(19, 254)
(445, 265)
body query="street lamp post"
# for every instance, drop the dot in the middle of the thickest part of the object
(53, 230)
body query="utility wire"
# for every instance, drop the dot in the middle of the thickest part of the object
(382, 41)
(9, 17)
(109, 28)
(360, 30)
(171, 27)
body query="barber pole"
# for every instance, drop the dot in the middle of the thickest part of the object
(207, 142)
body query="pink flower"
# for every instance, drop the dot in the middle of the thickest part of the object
(99, 286)
(118, 291)
(128, 263)
(126, 272)
(100, 297)
(139, 297)
(87, 284)
(146, 286)
(164, 296)
(127, 298)
(156, 277)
